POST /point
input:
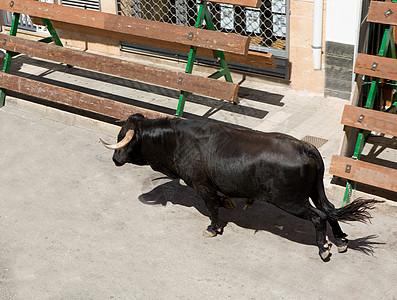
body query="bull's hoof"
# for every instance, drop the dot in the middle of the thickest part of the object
(209, 232)
(325, 254)
(342, 245)
(326, 251)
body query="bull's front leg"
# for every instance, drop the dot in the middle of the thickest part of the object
(211, 201)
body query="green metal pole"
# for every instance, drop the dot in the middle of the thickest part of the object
(8, 58)
(221, 56)
(192, 56)
(54, 36)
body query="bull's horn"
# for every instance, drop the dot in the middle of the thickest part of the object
(124, 142)
(120, 121)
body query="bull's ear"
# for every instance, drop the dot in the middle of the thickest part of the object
(138, 116)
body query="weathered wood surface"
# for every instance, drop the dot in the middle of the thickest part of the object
(251, 3)
(376, 66)
(123, 68)
(382, 12)
(257, 59)
(115, 24)
(368, 119)
(364, 172)
(72, 98)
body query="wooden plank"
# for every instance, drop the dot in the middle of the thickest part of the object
(376, 66)
(123, 68)
(132, 26)
(257, 59)
(364, 172)
(72, 98)
(368, 119)
(250, 3)
(382, 12)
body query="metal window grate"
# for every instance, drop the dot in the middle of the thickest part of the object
(267, 25)
(24, 21)
(84, 4)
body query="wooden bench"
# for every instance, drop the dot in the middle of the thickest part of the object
(364, 172)
(365, 118)
(115, 27)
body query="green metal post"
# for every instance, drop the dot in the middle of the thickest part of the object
(8, 58)
(190, 62)
(204, 15)
(54, 36)
(219, 54)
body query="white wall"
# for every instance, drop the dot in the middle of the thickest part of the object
(342, 22)
(342, 25)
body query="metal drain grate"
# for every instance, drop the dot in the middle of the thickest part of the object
(315, 141)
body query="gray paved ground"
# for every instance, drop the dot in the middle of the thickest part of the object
(73, 226)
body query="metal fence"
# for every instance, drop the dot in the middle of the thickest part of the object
(266, 26)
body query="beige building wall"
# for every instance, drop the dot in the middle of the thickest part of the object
(303, 75)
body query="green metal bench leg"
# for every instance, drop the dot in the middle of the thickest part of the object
(190, 62)
(221, 56)
(203, 14)
(183, 94)
(8, 58)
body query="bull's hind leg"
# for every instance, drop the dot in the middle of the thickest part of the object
(211, 201)
(319, 220)
(341, 241)
(303, 209)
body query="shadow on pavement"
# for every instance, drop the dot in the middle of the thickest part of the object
(262, 216)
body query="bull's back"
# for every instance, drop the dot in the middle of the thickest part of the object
(264, 166)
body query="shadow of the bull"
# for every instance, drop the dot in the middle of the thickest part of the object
(262, 216)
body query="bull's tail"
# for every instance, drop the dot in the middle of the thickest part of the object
(358, 210)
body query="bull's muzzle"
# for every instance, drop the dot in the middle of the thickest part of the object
(124, 142)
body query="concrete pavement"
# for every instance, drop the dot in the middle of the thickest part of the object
(74, 226)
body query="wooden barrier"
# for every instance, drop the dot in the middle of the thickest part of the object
(367, 119)
(376, 66)
(134, 30)
(119, 67)
(364, 172)
(99, 105)
(372, 120)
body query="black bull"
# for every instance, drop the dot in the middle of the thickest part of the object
(218, 159)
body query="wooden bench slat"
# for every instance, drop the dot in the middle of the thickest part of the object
(131, 26)
(376, 66)
(72, 98)
(368, 119)
(364, 172)
(123, 68)
(379, 13)
(257, 59)
(250, 3)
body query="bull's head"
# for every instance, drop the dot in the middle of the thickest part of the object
(125, 151)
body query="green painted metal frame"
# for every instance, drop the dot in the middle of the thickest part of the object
(388, 49)
(10, 54)
(204, 15)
